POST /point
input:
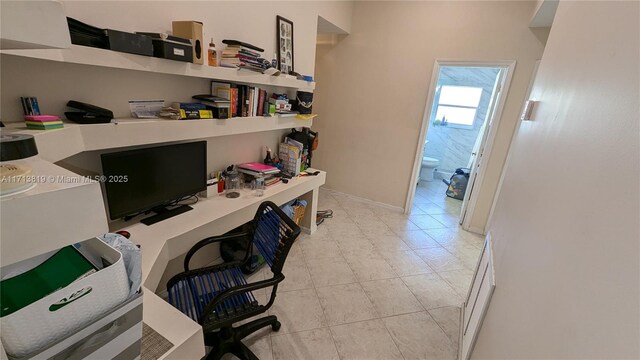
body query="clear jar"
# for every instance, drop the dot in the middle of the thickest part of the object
(232, 184)
(259, 186)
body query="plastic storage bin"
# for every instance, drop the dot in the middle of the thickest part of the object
(69, 309)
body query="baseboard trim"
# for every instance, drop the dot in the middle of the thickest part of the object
(365, 200)
(475, 230)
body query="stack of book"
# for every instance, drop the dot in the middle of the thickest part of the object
(245, 100)
(43, 122)
(267, 172)
(220, 107)
(271, 181)
(241, 55)
(257, 169)
(282, 105)
(192, 111)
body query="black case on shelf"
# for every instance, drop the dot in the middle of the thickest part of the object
(170, 47)
(129, 42)
(87, 35)
(219, 112)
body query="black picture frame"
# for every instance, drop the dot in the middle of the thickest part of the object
(284, 31)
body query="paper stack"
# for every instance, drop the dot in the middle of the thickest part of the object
(43, 122)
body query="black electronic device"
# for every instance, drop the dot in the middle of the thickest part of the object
(170, 47)
(154, 178)
(88, 114)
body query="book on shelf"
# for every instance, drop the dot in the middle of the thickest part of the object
(248, 59)
(245, 109)
(258, 168)
(250, 102)
(195, 114)
(250, 67)
(260, 102)
(256, 174)
(189, 106)
(211, 98)
(242, 56)
(233, 62)
(235, 50)
(234, 43)
(242, 100)
(266, 106)
(254, 106)
(216, 85)
(231, 95)
(269, 182)
(285, 113)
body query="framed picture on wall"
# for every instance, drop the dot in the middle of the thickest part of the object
(285, 44)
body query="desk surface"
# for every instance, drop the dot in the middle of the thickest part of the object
(153, 239)
(173, 237)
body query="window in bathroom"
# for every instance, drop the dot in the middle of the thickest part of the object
(458, 105)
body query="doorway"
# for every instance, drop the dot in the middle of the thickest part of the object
(461, 115)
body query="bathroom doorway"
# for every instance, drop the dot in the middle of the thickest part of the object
(462, 110)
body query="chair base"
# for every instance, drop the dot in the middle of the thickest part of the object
(227, 339)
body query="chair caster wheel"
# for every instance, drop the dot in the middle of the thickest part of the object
(276, 326)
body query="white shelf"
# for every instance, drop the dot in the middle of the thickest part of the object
(17, 30)
(112, 59)
(58, 144)
(63, 208)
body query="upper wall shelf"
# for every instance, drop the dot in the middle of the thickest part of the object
(112, 59)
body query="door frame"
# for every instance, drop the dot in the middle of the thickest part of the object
(509, 67)
(507, 161)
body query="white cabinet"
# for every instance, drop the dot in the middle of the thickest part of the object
(477, 301)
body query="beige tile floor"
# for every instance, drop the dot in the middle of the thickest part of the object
(372, 283)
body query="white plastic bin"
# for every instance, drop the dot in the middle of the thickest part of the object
(40, 324)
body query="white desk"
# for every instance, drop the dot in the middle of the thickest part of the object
(173, 237)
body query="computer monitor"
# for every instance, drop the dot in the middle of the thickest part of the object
(152, 178)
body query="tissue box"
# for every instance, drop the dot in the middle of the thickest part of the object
(62, 313)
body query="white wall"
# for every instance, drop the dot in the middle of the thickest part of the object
(566, 227)
(372, 88)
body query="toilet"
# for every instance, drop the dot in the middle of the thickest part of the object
(429, 164)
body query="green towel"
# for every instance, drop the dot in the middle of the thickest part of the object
(57, 272)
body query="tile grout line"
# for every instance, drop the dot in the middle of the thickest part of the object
(369, 298)
(377, 216)
(315, 290)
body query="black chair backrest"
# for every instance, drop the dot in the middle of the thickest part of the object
(274, 233)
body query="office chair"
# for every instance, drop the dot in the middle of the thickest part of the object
(219, 296)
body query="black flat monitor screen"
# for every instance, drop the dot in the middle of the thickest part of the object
(138, 180)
